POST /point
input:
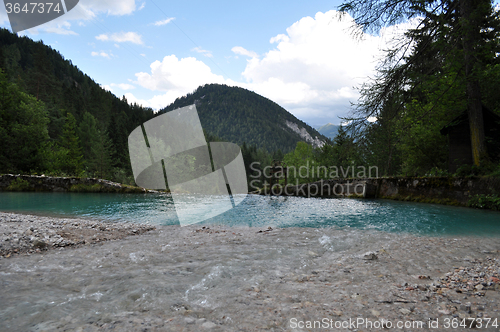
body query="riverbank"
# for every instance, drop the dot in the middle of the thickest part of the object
(42, 183)
(199, 278)
(29, 234)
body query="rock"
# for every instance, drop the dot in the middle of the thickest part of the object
(466, 307)
(208, 325)
(405, 311)
(189, 320)
(422, 287)
(370, 256)
(338, 312)
(39, 244)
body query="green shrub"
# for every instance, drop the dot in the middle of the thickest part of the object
(437, 172)
(19, 185)
(468, 170)
(491, 202)
(496, 172)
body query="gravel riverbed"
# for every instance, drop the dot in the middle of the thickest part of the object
(214, 278)
(27, 234)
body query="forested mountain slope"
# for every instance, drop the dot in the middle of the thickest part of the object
(68, 104)
(241, 116)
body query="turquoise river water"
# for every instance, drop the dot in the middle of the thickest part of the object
(260, 211)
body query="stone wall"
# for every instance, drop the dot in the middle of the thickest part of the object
(439, 190)
(9, 182)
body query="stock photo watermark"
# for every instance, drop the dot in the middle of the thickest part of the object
(370, 324)
(27, 14)
(171, 151)
(335, 181)
(308, 171)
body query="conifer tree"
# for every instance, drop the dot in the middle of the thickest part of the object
(101, 151)
(456, 39)
(73, 163)
(88, 134)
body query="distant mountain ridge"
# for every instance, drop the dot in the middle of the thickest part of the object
(241, 116)
(329, 130)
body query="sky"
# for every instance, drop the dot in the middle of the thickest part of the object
(299, 54)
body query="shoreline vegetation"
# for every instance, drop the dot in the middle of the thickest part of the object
(42, 183)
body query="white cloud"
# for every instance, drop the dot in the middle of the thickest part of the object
(110, 7)
(202, 51)
(314, 67)
(142, 6)
(123, 86)
(163, 22)
(121, 37)
(242, 51)
(103, 54)
(106, 87)
(278, 38)
(57, 26)
(62, 28)
(175, 78)
(131, 99)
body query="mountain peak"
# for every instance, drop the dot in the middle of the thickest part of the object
(240, 116)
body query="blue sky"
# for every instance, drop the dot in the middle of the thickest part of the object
(296, 53)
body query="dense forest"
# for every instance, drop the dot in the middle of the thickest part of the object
(444, 67)
(56, 120)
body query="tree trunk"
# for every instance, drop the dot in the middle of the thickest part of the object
(474, 106)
